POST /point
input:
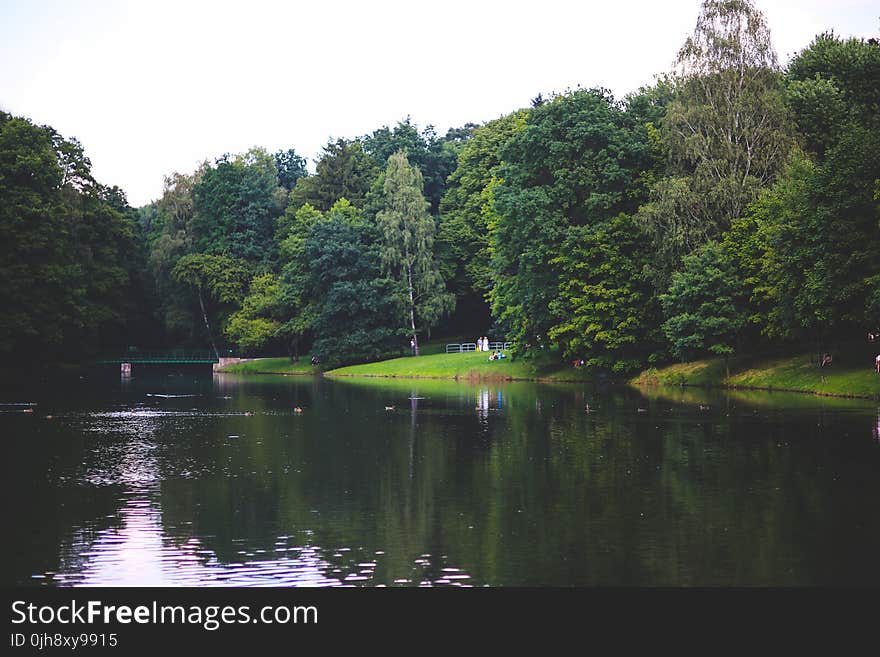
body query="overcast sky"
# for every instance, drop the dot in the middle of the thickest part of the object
(154, 86)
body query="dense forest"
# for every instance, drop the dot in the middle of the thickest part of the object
(734, 204)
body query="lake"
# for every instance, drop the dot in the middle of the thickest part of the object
(188, 479)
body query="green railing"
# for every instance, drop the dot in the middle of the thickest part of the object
(161, 357)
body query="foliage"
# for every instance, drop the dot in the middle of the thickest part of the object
(291, 167)
(435, 157)
(236, 207)
(604, 302)
(727, 131)
(407, 241)
(705, 305)
(577, 163)
(214, 278)
(258, 320)
(354, 321)
(344, 171)
(462, 243)
(69, 254)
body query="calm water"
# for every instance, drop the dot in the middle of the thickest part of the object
(189, 479)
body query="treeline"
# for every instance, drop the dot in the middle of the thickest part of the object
(731, 203)
(72, 260)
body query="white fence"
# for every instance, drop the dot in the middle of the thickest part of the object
(458, 348)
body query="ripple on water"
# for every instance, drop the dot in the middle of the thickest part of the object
(138, 550)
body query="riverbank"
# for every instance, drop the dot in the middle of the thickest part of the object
(845, 378)
(281, 365)
(462, 366)
(466, 366)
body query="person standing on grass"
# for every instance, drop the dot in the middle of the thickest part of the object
(877, 363)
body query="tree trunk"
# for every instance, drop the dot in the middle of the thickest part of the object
(208, 325)
(412, 312)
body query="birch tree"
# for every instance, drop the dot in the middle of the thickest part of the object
(407, 247)
(727, 130)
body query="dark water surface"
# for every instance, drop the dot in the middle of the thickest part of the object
(460, 484)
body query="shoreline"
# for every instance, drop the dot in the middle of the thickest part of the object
(545, 379)
(727, 386)
(793, 373)
(330, 374)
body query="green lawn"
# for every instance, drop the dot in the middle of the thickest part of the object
(848, 377)
(273, 366)
(473, 365)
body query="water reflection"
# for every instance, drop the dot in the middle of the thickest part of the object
(220, 482)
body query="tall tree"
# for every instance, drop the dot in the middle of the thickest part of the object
(434, 156)
(407, 234)
(706, 305)
(343, 171)
(236, 207)
(69, 249)
(727, 130)
(578, 162)
(463, 231)
(354, 320)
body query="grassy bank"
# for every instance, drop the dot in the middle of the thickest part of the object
(467, 366)
(273, 366)
(847, 377)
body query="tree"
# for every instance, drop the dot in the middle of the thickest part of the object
(258, 320)
(820, 272)
(407, 241)
(69, 250)
(434, 156)
(219, 278)
(605, 307)
(291, 167)
(354, 320)
(298, 301)
(344, 171)
(170, 237)
(236, 207)
(462, 243)
(706, 305)
(727, 130)
(578, 162)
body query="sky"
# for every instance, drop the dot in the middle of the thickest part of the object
(151, 87)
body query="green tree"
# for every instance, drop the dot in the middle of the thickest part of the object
(727, 131)
(298, 301)
(706, 305)
(354, 320)
(605, 307)
(258, 320)
(171, 237)
(578, 161)
(236, 207)
(344, 171)
(462, 243)
(291, 167)
(820, 274)
(69, 250)
(407, 241)
(214, 278)
(434, 156)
